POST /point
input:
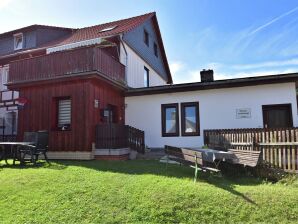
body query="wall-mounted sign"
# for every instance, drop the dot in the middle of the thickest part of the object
(96, 103)
(243, 113)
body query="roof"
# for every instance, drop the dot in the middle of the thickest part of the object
(121, 26)
(116, 28)
(33, 27)
(113, 29)
(218, 84)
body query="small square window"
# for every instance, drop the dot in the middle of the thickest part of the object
(146, 38)
(170, 120)
(155, 50)
(18, 41)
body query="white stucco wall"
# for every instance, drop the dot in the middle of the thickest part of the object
(135, 69)
(217, 110)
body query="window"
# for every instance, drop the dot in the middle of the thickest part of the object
(64, 113)
(190, 119)
(108, 29)
(155, 50)
(146, 38)
(18, 41)
(170, 120)
(4, 77)
(277, 116)
(146, 77)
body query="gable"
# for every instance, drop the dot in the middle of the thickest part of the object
(135, 39)
(7, 43)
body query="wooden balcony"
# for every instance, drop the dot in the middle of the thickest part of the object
(67, 63)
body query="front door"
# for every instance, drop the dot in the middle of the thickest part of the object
(277, 116)
(110, 114)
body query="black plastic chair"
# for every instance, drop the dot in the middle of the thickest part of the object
(40, 146)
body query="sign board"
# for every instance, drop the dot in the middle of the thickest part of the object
(243, 113)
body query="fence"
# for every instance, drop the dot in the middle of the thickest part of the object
(279, 147)
(112, 136)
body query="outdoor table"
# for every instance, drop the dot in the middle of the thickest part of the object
(14, 147)
(215, 156)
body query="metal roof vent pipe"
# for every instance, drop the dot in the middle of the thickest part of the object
(207, 75)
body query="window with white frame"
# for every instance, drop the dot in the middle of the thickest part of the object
(4, 77)
(18, 41)
(64, 113)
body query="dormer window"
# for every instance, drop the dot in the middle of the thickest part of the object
(18, 41)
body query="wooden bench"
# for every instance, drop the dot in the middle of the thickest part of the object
(246, 157)
(189, 157)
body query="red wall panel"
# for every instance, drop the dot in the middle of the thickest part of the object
(40, 111)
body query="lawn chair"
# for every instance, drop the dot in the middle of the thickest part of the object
(42, 145)
(41, 141)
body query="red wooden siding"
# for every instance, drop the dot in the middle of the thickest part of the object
(40, 112)
(66, 63)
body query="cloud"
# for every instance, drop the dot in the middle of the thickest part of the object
(176, 66)
(273, 21)
(220, 75)
(266, 64)
(224, 71)
(4, 3)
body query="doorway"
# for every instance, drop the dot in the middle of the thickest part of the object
(277, 116)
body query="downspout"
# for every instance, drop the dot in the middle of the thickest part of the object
(126, 57)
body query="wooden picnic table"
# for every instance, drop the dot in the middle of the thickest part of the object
(12, 152)
(215, 156)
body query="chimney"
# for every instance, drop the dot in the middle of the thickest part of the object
(207, 75)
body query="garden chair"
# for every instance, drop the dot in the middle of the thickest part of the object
(41, 141)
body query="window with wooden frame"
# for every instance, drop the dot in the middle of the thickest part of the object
(146, 38)
(170, 120)
(64, 113)
(155, 50)
(190, 122)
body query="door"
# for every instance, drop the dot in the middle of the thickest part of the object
(110, 114)
(277, 116)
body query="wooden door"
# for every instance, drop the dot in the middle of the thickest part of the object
(277, 116)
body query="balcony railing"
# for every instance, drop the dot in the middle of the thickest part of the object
(65, 63)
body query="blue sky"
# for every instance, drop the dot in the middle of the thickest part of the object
(235, 38)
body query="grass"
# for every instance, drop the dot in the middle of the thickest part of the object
(138, 192)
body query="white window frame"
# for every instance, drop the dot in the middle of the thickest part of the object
(15, 37)
(64, 113)
(4, 76)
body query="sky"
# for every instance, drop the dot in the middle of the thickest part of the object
(234, 38)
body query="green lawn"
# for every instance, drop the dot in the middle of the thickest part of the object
(138, 192)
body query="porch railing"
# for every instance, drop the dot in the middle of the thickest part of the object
(279, 147)
(112, 136)
(66, 63)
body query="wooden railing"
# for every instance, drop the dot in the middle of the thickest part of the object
(112, 136)
(66, 63)
(279, 146)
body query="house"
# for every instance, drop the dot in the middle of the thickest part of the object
(77, 80)
(77, 83)
(180, 113)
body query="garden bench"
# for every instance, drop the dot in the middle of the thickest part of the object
(246, 157)
(185, 156)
